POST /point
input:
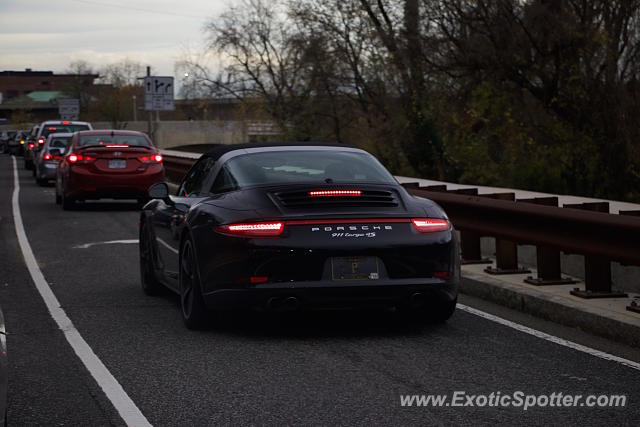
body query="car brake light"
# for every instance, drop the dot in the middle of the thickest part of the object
(52, 128)
(157, 158)
(31, 145)
(254, 280)
(335, 193)
(47, 156)
(117, 146)
(255, 229)
(79, 158)
(65, 122)
(430, 225)
(40, 141)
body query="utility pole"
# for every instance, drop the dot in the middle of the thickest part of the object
(150, 113)
(135, 109)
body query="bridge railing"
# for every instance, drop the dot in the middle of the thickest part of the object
(586, 229)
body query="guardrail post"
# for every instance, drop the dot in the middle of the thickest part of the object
(506, 250)
(634, 305)
(470, 240)
(597, 270)
(547, 258)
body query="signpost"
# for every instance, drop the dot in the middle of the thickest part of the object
(158, 93)
(69, 108)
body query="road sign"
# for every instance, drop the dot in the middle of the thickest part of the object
(158, 93)
(69, 108)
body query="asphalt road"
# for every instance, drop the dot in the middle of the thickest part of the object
(341, 368)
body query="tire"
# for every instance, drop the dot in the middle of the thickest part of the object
(194, 311)
(150, 284)
(41, 182)
(68, 204)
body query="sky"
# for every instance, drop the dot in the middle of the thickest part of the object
(50, 34)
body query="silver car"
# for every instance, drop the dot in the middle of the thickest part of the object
(46, 161)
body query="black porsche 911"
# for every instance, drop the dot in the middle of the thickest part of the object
(292, 226)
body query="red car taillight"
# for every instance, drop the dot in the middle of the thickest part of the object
(31, 145)
(430, 225)
(79, 158)
(154, 158)
(254, 229)
(40, 141)
(47, 157)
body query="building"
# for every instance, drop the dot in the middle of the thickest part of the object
(32, 95)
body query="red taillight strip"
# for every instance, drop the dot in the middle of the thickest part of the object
(430, 225)
(117, 146)
(335, 193)
(253, 229)
(346, 221)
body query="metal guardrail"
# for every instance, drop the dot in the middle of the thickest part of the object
(586, 229)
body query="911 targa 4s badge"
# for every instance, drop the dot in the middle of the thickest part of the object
(297, 226)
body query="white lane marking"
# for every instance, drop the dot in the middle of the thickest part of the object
(551, 338)
(168, 246)
(129, 412)
(109, 242)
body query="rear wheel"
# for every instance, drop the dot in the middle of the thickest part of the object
(58, 197)
(39, 180)
(68, 203)
(150, 284)
(194, 311)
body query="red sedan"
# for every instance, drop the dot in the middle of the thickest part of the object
(115, 164)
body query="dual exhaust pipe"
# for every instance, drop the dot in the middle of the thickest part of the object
(283, 304)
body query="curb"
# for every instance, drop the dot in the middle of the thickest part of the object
(550, 308)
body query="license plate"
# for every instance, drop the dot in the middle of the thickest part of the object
(117, 164)
(354, 268)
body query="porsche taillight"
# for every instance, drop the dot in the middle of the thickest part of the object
(430, 225)
(253, 229)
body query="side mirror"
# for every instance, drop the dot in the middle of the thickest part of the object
(160, 190)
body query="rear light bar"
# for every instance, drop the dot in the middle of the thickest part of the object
(335, 193)
(117, 146)
(276, 228)
(430, 225)
(154, 158)
(79, 158)
(253, 229)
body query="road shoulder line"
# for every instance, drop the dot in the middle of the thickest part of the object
(127, 409)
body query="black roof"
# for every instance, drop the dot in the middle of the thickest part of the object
(220, 149)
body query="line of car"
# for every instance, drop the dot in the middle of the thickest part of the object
(88, 164)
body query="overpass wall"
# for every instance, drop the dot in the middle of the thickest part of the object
(169, 134)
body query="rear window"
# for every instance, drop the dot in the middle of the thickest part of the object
(308, 166)
(99, 140)
(60, 142)
(68, 128)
